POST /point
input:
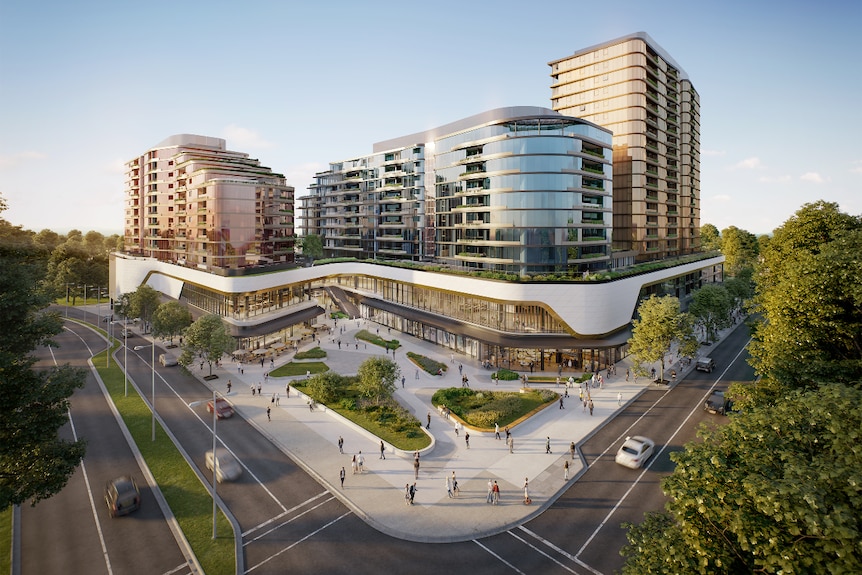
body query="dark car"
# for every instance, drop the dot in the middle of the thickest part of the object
(122, 496)
(718, 403)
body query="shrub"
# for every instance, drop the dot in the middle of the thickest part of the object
(507, 375)
(315, 353)
(366, 335)
(426, 363)
(326, 387)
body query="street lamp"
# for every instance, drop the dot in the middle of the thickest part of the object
(215, 459)
(153, 365)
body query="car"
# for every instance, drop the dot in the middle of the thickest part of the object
(127, 333)
(223, 408)
(122, 496)
(718, 403)
(635, 451)
(227, 467)
(167, 360)
(705, 364)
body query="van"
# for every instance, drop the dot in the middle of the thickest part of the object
(705, 364)
(167, 360)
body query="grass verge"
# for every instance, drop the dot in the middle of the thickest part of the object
(294, 369)
(6, 539)
(189, 500)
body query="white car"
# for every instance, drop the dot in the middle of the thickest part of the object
(635, 451)
(227, 467)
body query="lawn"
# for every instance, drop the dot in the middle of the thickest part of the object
(6, 539)
(294, 369)
(483, 408)
(189, 500)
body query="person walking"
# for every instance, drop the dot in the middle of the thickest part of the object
(490, 498)
(341, 475)
(496, 431)
(547, 445)
(259, 387)
(561, 403)
(566, 470)
(268, 418)
(382, 450)
(360, 461)
(406, 494)
(496, 493)
(455, 489)
(572, 450)
(403, 379)
(229, 384)
(527, 499)
(449, 486)
(253, 390)
(412, 492)
(467, 438)
(340, 444)
(511, 445)
(591, 407)
(353, 464)
(620, 398)
(287, 390)
(416, 467)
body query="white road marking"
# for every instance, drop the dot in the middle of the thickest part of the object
(537, 550)
(291, 546)
(291, 520)
(283, 513)
(500, 559)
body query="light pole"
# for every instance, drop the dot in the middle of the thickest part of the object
(125, 359)
(215, 459)
(153, 366)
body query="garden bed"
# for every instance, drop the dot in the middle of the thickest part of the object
(481, 409)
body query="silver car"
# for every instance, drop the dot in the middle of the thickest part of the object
(635, 451)
(226, 466)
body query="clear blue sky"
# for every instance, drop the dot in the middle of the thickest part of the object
(86, 86)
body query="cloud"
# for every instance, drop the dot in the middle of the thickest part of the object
(712, 153)
(748, 164)
(812, 177)
(15, 160)
(775, 179)
(239, 138)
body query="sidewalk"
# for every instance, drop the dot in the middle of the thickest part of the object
(310, 438)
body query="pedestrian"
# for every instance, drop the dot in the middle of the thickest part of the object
(449, 486)
(416, 467)
(406, 494)
(507, 433)
(460, 368)
(360, 461)
(585, 405)
(412, 492)
(490, 498)
(620, 398)
(253, 390)
(451, 356)
(272, 401)
(511, 442)
(310, 404)
(572, 450)
(547, 445)
(591, 407)
(455, 489)
(627, 374)
(402, 381)
(340, 444)
(417, 374)
(382, 450)
(429, 421)
(353, 464)
(307, 373)
(527, 499)
(561, 403)
(258, 388)
(457, 427)
(496, 493)
(566, 470)
(229, 384)
(268, 418)
(341, 475)
(467, 438)
(496, 431)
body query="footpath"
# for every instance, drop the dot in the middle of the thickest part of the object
(310, 438)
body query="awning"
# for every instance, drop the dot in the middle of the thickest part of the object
(260, 351)
(278, 345)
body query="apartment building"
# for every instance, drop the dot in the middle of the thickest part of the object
(519, 190)
(632, 87)
(190, 201)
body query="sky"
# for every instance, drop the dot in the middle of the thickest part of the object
(86, 86)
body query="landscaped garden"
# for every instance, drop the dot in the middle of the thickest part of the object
(295, 369)
(483, 408)
(366, 335)
(432, 366)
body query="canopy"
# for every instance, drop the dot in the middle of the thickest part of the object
(260, 351)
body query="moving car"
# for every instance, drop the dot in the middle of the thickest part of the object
(122, 496)
(705, 364)
(223, 408)
(635, 451)
(167, 360)
(226, 465)
(718, 403)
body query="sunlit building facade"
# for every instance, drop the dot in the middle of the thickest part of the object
(191, 201)
(521, 190)
(632, 87)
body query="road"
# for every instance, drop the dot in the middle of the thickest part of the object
(72, 531)
(290, 522)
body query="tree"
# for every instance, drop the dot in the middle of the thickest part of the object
(35, 463)
(710, 240)
(776, 490)
(170, 319)
(312, 246)
(143, 303)
(739, 248)
(660, 324)
(377, 377)
(711, 306)
(326, 387)
(206, 340)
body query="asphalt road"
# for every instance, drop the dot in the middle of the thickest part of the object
(72, 532)
(291, 523)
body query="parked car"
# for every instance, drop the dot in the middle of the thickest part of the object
(718, 403)
(635, 451)
(226, 466)
(167, 360)
(705, 364)
(223, 408)
(122, 496)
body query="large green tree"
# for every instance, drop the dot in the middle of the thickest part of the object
(711, 307)
(377, 376)
(776, 490)
(143, 303)
(312, 246)
(206, 340)
(34, 462)
(170, 319)
(809, 299)
(740, 250)
(660, 324)
(710, 239)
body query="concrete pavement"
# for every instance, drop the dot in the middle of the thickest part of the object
(310, 438)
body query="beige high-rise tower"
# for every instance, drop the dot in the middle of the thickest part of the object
(632, 87)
